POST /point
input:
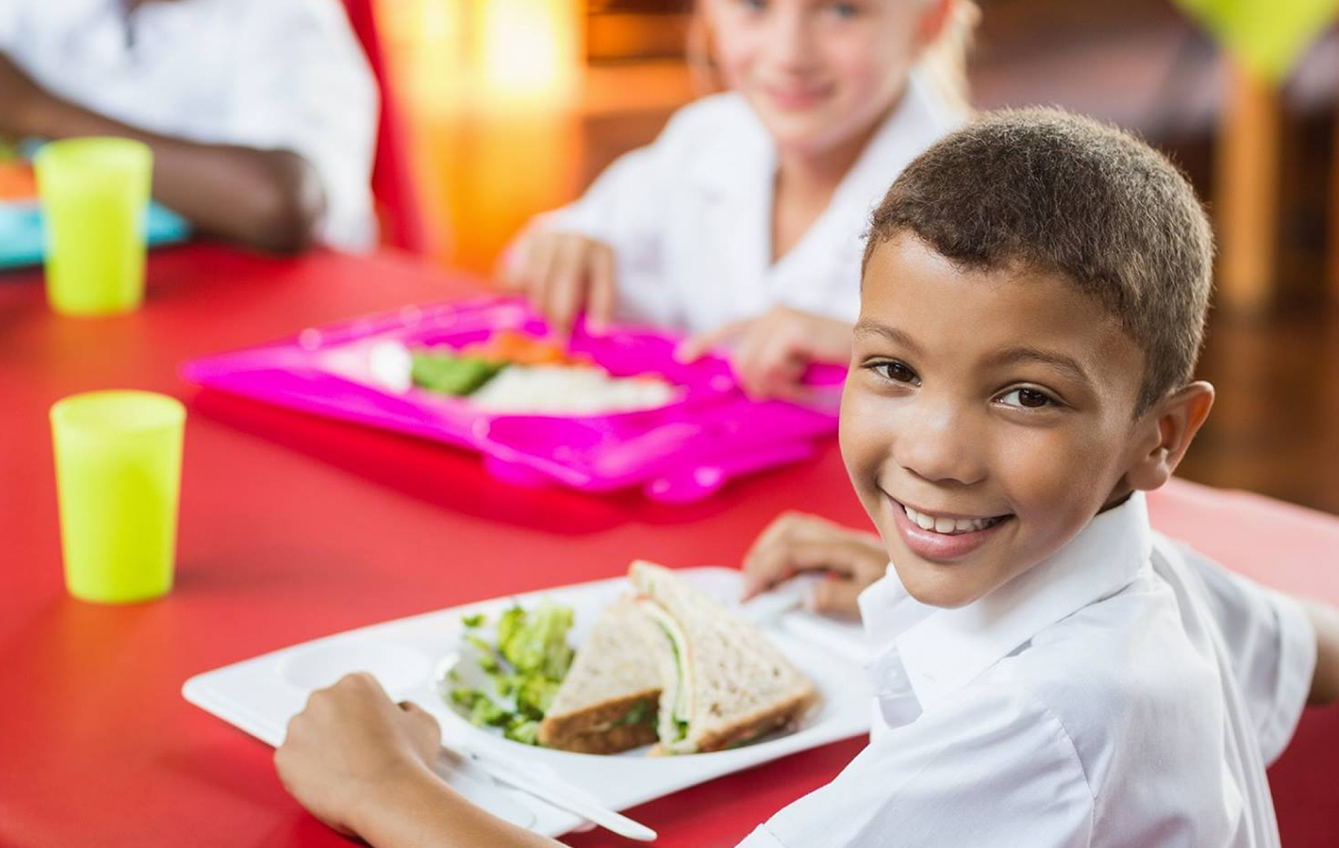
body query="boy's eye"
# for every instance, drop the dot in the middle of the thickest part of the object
(896, 372)
(1027, 399)
(753, 5)
(843, 10)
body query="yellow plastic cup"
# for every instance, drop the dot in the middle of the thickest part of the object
(118, 481)
(95, 197)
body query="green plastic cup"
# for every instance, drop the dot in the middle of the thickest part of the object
(118, 480)
(95, 196)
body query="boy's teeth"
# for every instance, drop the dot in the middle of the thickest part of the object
(947, 526)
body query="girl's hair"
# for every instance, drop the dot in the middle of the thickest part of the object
(943, 66)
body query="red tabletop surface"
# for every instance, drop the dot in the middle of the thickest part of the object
(294, 527)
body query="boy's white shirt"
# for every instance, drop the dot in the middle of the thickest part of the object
(689, 216)
(1124, 692)
(268, 74)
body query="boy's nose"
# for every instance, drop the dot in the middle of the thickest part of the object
(938, 446)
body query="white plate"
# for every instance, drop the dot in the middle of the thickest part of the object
(260, 695)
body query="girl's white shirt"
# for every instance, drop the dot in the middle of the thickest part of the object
(689, 216)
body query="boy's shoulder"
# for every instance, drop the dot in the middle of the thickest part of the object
(1115, 675)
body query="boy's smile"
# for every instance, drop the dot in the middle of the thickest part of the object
(988, 416)
(941, 537)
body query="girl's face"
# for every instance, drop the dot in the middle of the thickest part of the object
(819, 72)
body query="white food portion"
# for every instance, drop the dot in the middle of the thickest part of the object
(568, 390)
(391, 365)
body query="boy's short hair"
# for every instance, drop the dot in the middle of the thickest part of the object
(1053, 192)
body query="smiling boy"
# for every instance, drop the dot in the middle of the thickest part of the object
(1049, 672)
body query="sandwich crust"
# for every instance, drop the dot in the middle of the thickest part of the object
(759, 723)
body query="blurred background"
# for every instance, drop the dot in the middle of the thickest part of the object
(511, 107)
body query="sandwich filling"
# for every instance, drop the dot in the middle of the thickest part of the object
(676, 700)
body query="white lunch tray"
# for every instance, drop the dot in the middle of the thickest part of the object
(260, 695)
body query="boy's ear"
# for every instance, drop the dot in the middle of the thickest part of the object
(1172, 425)
(932, 22)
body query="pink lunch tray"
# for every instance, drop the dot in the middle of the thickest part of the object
(676, 453)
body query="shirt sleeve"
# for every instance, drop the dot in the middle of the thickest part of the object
(14, 15)
(1271, 646)
(994, 768)
(304, 85)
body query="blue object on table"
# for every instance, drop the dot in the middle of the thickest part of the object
(21, 241)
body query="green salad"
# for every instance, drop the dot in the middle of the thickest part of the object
(525, 661)
(451, 373)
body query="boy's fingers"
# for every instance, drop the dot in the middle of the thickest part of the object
(355, 681)
(835, 597)
(413, 709)
(753, 565)
(418, 714)
(793, 525)
(787, 522)
(784, 558)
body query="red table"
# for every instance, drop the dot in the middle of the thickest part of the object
(295, 527)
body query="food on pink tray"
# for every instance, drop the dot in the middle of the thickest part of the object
(569, 390)
(515, 374)
(451, 373)
(509, 347)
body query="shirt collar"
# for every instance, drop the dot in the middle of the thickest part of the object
(741, 158)
(943, 650)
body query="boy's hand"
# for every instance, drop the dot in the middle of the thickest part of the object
(21, 101)
(352, 750)
(772, 351)
(562, 274)
(797, 542)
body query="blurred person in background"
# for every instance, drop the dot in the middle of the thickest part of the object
(742, 222)
(261, 113)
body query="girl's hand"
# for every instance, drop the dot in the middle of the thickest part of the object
(772, 351)
(797, 542)
(352, 751)
(562, 274)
